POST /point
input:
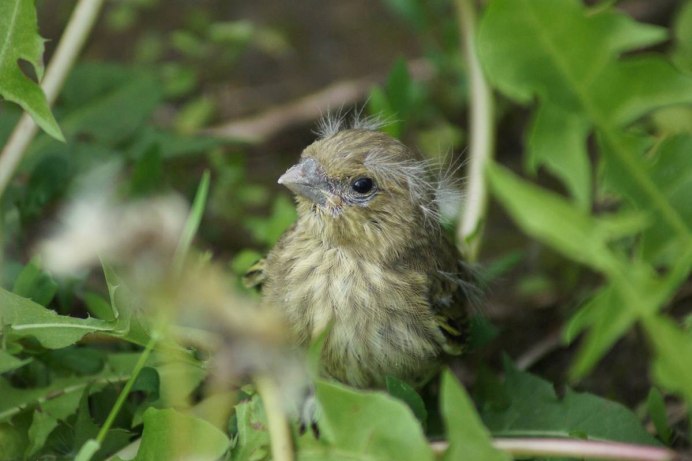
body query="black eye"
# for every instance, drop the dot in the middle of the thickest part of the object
(362, 185)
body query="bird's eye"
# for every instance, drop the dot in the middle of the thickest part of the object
(362, 185)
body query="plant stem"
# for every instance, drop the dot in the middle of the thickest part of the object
(77, 30)
(279, 433)
(482, 132)
(588, 449)
(571, 448)
(126, 389)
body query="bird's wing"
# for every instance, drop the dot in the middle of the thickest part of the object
(453, 290)
(255, 276)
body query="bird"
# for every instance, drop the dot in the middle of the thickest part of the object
(368, 263)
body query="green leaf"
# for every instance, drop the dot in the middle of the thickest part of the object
(555, 131)
(85, 434)
(529, 52)
(111, 117)
(244, 260)
(179, 379)
(16, 400)
(635, 289)
(656, 408)
(98, 306)
(251, 443)
(48, 182)
(626, 170)
(564, 226)
(608, 318)
(673, 348)
(9, 362)
(73, 359)
(682, 29)
(358, 425)
(399, 90)
(13, 441)
(536, 411)
(378, 104)
(669, 168)
(169, 434)
(528, 49)
(146, 175)
(19, 40)
(53, 331)
(192, 221)
(268, 230)
(468, 438)
(395, 103)
(402, 391)
(35, 284)
(46, 418)
(101, 107)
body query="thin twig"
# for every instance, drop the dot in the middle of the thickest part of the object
(539, 350)
(482, 132)
(77, 30)
(571, 448)
(279, 431)
(259, 128)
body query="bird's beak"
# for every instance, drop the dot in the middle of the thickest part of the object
(308, 179)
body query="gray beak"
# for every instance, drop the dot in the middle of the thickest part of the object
(307, 179)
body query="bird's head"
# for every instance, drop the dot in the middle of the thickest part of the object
(359, 186)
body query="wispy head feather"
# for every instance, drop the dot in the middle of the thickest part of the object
(339, 120)
(432, 183)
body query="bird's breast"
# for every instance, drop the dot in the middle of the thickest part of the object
(332, 285)
(378, 316)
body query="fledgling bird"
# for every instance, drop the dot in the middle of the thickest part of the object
(368, 260)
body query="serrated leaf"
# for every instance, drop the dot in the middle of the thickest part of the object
(19, 40)
(535, 410)
(169, 434)
(359, 425)
(528, 49)
(16, 400)
(251, 442)
(468, 438)
(23, 317)
(627, 171)
(529, 52)
(670, 169)
(564, 226)
(637, 290)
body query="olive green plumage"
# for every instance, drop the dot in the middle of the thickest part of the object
(368, 260)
